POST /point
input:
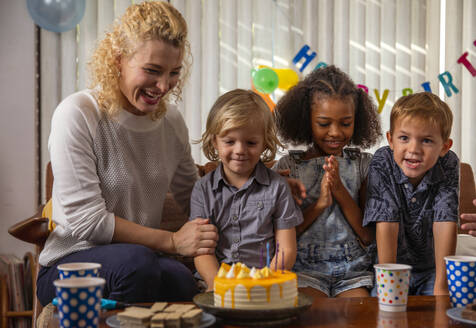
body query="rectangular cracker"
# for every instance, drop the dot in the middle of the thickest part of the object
(172, 320)
(181, 308)
(135, 315)
(158, 306)
(158, 318)
(192, 318)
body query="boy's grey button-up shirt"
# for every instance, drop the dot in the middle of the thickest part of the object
(246, 218)
(392, 198)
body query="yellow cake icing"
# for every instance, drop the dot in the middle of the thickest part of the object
(244, 288)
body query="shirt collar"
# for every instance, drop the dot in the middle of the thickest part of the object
(260, 175)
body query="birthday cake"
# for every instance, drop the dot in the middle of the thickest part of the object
(240, 287)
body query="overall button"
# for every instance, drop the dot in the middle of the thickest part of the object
(413, 199)
(260, 205)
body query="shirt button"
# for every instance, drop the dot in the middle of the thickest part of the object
(237, 241)
(413, 199)
(235, 217)
(235, 254)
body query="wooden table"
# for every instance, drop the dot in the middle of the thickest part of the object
(422, 311)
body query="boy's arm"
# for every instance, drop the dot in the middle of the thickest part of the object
(444, 238)
(207, 266)
(287, 243)
(387, 239)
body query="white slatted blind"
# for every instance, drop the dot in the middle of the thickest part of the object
(383, 44)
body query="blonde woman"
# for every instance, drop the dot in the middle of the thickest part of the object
(116, 149)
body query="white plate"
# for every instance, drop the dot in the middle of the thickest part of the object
(207, 320)
(455, 314)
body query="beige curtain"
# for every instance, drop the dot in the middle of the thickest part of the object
(383, 44)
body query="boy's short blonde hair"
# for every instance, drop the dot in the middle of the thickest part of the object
(149, 20)
(236, 109)
(425, 106)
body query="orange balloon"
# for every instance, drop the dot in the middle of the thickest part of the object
(267, 99)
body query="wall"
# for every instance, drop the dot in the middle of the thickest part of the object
(18, 187)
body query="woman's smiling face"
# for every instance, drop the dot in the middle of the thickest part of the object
(148, 75)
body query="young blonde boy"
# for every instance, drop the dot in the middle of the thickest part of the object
(413, 192)
(250, 204)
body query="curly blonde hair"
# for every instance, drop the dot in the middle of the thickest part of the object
(154, 20)
(235, 109)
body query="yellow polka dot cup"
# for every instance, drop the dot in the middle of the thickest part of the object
(461, 275)
(392, 281)
(79, 301)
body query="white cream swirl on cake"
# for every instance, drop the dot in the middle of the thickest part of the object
(239, 287)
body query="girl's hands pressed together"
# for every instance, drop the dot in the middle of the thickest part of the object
(332, 171)
(325, 198)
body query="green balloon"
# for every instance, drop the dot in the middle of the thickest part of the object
(265, 80)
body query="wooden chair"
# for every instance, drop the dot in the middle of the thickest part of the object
(467, 191)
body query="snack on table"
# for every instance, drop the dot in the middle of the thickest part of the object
(158, 306)
(191, 318)
(239, 287)
(135, 317)
(161, 316)
(469, 312)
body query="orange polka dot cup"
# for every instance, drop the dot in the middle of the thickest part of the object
(392, 281)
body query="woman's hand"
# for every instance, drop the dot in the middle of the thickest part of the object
(470, 219)
(332, 169)
(297, 187)
(197, 237)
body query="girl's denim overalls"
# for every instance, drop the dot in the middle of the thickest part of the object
(330, 257)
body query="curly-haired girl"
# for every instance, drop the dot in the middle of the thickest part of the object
(327, 112)
(116, 149)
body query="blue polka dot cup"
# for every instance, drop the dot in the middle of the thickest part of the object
(392, 281)
(79, 301)
(461, 275)
(78, 269)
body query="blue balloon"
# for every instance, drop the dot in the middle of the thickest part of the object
(56, 15)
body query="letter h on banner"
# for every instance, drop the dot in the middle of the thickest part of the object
(304, 53)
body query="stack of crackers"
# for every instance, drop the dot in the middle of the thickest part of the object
(160, 315)
(469, 312)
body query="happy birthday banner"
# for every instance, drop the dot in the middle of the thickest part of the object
(267, 79)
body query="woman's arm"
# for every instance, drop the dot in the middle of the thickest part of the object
(470, 219)
(207, 266)
(349, 207)
(444, 238)
(387, 240)
(195, 237)
(287, 243)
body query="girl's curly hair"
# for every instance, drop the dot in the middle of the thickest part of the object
(293, 111)
(154, 20)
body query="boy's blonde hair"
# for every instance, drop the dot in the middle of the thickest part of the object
(154, 20)
(425, 106)
(236, 109)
